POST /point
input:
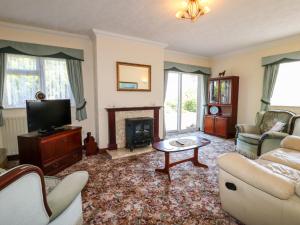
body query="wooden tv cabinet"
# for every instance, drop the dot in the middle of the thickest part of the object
(52, 153)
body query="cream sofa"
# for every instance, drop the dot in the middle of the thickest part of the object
(29, 198)
(265, 191)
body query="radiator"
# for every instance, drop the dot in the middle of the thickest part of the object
(13, 126)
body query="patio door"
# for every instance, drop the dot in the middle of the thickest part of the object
(181, 102)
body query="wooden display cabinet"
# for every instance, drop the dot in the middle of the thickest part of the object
(223, 96)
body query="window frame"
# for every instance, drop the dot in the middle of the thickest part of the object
(40, 72)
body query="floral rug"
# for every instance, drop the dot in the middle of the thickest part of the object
(129, 191)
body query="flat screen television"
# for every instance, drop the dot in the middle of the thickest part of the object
(46, 116)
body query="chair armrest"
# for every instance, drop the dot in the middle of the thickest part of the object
(256, 175)
(66, 191)
(23, 196)
(245, 128)
(270, 141)
(291, 142)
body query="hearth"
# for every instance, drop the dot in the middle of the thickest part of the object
(139, 132)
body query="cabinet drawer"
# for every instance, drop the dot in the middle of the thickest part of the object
(59, 164)
(56, 148)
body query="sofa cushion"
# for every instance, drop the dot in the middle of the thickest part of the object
(284, 156)
(297, 189)
(257, 175)
(278, 127)
(280, 169)
(291, 142)
(270, 118)
(249, 138)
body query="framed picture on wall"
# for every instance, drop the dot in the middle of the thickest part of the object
(128, 85)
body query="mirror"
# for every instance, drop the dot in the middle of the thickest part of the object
(133, 77)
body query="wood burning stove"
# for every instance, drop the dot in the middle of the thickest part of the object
(139, 132)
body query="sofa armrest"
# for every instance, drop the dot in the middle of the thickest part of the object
(256, 175)
(245, 128)
(65, 192)
(270, 141)
(291, 142)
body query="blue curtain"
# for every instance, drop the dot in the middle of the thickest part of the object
(76, 83)
(270, 77)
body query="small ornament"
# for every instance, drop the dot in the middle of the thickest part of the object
(222, 74)
(90, 145)
(214, 110)
(40, 96)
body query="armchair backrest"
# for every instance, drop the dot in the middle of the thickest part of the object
(295, 126)
(270, 118)
(23, 197)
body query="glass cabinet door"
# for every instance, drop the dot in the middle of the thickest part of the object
(225, 91)
(214, 91)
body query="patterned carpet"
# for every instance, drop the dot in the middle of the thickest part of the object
(128, 191)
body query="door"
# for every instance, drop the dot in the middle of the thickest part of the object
(209, 124)
(221, 126)
(181, 102)
(189, 105)
(171, 105)
(225, 92)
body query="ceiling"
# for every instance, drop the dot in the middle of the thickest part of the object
(231, 24)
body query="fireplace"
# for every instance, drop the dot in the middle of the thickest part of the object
(112, 133)
(139, 132)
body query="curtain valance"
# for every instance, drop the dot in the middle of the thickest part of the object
(282, 58)
(14, 47)
(184, 68)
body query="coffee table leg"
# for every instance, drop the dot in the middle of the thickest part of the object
(167, 166)
(195, 159)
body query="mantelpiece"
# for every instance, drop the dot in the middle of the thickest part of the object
(112, 123)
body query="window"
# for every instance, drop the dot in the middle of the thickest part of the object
(25, 75)
(182, 102)
(286, 90)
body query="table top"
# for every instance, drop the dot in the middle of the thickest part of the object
(165, 146)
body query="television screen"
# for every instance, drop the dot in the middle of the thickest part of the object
(47, 115)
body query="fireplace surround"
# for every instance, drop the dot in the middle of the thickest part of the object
(112, 123)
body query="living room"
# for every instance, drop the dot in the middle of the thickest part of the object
(216, 97)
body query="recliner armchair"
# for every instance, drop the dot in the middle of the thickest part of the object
(27, 198)
(253, 140)
(265, 191)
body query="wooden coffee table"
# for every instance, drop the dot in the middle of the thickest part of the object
(167, 148)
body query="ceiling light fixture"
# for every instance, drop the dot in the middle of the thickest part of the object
(193, 9)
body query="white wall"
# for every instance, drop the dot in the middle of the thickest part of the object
(41, 36)
(184, 58)
(246, 63)
(109, 50)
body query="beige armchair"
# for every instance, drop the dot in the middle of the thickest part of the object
(27, 198)
(250, 138)
(265, 191)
